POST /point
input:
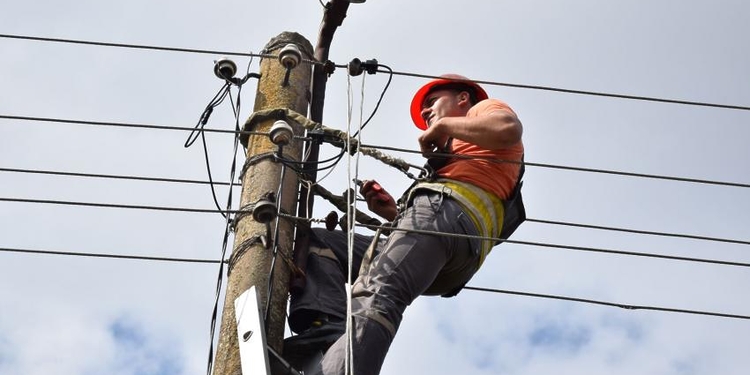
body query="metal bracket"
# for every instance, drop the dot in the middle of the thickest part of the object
(251, 334)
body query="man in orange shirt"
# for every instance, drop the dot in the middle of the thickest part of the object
(468, 194)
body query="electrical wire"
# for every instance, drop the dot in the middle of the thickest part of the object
(113, 176)
(293, 164)
(236, 109)
(203, 120)
(133, 46)
(611, 304)
(638, 231)
(582, 92)
(532, 220)
(145, 47)
(538, 244)
(377, 105)
(198, 132)
(118, 206)
(350, 213)
(400, 73)
(112, 256)
(528, 219)
(398, 149)
(468, 287)
(124, 124)
(570, 168)
(560, 246)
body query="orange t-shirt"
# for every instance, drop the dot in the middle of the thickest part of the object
(494, 176)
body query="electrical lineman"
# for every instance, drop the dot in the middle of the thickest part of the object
(475, 196)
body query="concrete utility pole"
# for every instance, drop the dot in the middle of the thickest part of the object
(251, 260)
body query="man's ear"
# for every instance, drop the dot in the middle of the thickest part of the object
(464, 98)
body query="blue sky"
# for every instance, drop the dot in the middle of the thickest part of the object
(71, 315)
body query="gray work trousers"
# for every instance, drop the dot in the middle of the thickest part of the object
(407, 266)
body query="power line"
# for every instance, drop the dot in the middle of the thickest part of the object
(552, 245)
(408, 74)
(479, 289)
(533, 220)
(641, 175)
(628, 253)
(611, 304)
(582, 92)
(121, 124)
(133, 46)
(637, 231)
(119, 206)
(573, 168)
(539, 244)
(113, 176)
(397, 149)
(114, 256)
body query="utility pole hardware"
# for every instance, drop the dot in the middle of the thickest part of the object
(265, 184)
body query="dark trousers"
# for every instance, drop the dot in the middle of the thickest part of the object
(406, 266)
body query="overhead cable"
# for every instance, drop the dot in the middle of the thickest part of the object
(571, 168)
(560, 246)
(533, 220)
(122, 124)
(478, 289)
(113, 176)
(582, 92)
(114, 256)
(417, 75)
(397, 149)
(611, 304)
(141, 46)
(120, 206)
(641, 175)
(374, 227)
(638, 231)
(134, 46)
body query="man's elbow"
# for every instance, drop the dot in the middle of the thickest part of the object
(515, 133)
(510, 133)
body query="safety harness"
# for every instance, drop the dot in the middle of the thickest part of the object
(493, 217)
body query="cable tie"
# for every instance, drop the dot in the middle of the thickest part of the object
(241, 249)
(255, 159)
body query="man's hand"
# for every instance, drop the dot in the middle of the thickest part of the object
(432, 140)
(378, 200)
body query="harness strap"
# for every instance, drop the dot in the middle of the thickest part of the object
(485, 210)
(500, 221)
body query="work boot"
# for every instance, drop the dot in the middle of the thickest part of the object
(323, 332)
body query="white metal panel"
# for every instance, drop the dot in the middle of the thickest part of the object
(251, 334)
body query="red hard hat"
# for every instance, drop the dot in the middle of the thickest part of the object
(445, 79)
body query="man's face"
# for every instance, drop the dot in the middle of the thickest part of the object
(441, 103)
